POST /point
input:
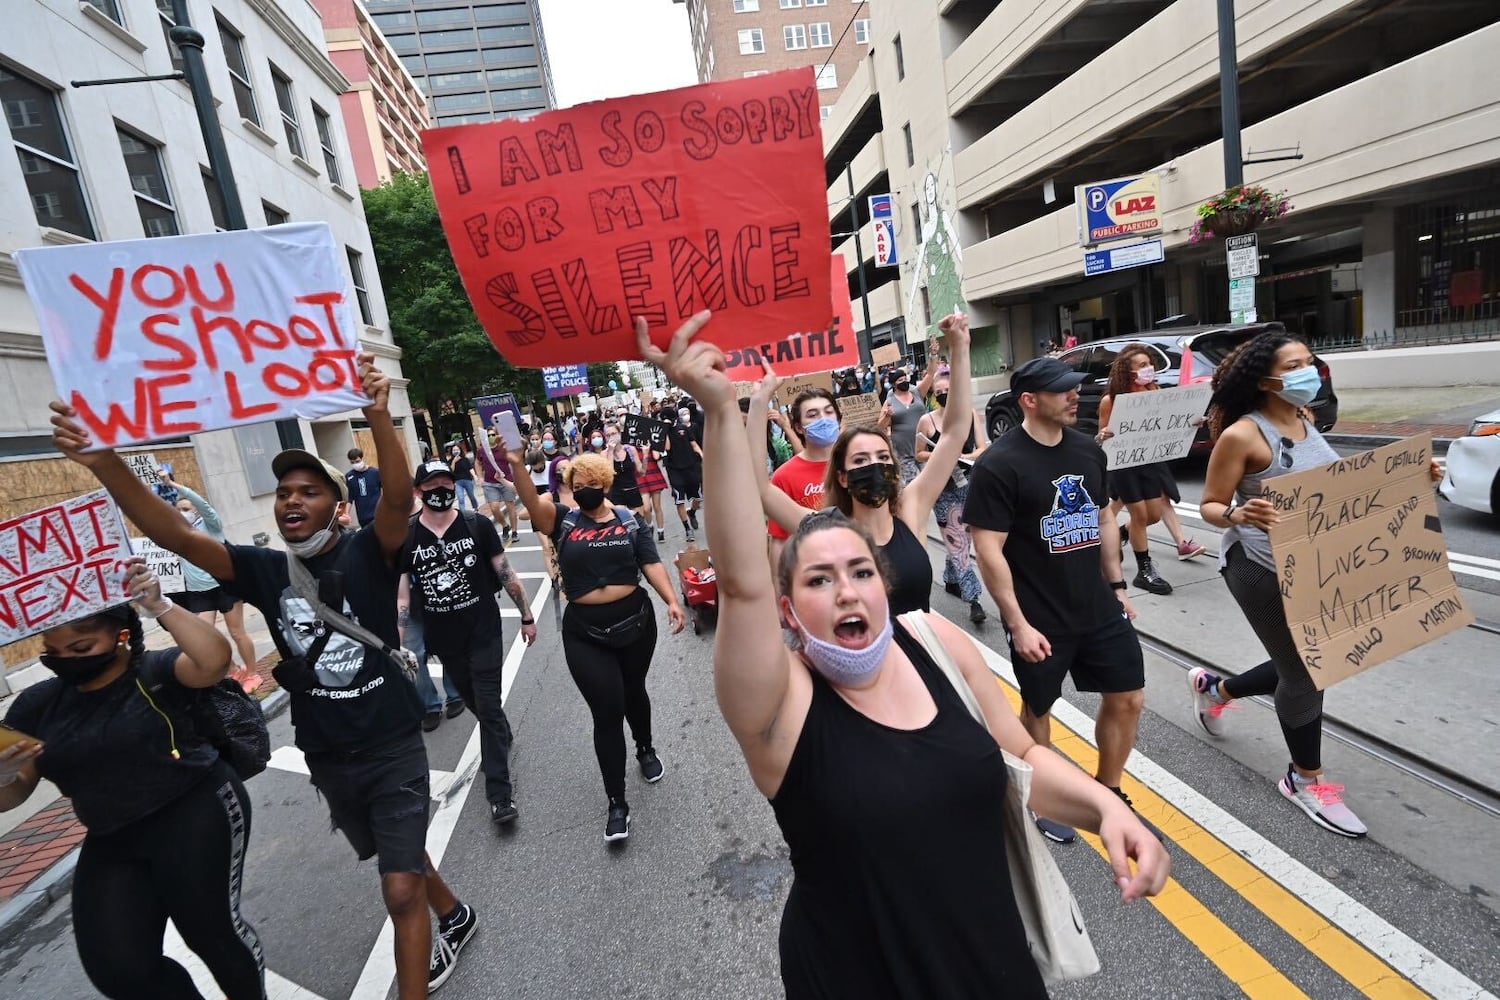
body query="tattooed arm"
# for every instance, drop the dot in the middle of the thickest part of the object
(512, 586)
(403, 605)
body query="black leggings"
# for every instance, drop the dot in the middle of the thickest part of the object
(612, 681)
(185, 861)
(1299, 703)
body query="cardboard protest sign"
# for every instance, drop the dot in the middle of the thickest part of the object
(157, 338)
(886, 354)
(791, 388)
(1155, 426)
(61, 563)
(1361, 559)
(566, 225)
(639, 431)
(801, 353)
(565, 380)
(166, 565)
(862, 410)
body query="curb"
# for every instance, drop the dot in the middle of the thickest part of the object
(1439, 445)
(24, 909)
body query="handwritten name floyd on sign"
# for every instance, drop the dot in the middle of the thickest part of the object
(61, 563)
(1362, 562)
(566, 225)
(149, 339)
(1155, 426)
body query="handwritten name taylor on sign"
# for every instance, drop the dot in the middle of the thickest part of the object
(1362, 561)
(566, 225)
(60, 563)
(157, 338)
(1155, 426)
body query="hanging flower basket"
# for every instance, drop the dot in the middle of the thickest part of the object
(1238, 211)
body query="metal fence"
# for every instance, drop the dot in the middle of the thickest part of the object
(1426, 335)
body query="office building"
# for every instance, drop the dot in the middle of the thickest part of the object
(989, 116)
(738, 38)
(477, 61)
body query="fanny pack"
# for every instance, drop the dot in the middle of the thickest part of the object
(624, 632)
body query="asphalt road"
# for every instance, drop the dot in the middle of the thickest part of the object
(1264, 903)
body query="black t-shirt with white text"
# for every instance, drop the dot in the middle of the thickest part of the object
(453, 578)
(1047, 500)
(361, 699)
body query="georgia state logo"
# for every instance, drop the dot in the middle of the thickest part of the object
(1074, 520)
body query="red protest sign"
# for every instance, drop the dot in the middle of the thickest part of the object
(802, 353)
(60, 563)
(566, 225)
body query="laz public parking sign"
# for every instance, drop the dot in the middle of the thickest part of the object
(1119, 209)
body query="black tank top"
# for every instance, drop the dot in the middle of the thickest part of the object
(911, 573)
(624, 474)
(897, 839)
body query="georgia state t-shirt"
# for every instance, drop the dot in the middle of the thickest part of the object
(802, 480)
(1047, 500)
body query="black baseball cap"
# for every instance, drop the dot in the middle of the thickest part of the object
(427, 470)
(1045, 375)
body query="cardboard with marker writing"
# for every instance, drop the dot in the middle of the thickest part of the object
(567, 224)
(157, 338)
(886, 354)
(791, 388)
(862, 410)
(1362, 561)
(1157, 426)
(61, 563)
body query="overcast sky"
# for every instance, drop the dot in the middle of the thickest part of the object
(610, 48)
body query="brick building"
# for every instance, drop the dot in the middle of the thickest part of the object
(737, 38)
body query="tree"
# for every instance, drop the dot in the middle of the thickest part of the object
(445, 351)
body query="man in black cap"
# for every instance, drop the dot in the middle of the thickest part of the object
(1036, 497)
(357, 717)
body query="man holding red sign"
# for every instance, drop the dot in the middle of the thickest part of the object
(330, 600)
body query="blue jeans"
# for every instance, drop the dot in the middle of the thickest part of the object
(466, 492)
(416, 641)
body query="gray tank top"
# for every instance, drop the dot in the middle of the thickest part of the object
(1311, 452)
(904, 424)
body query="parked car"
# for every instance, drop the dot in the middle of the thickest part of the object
(1473, 476)
(1181, 356)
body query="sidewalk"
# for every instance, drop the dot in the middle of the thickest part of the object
(1374, 415)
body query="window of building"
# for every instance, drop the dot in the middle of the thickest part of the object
(828, 77)
(815, 3)
(916, 217)
(471, 78)
(274, 215)
(451, 15)
(506, 33)
(164, 10)
(357, 274)
(462, 36)
(461, 102)
(752, 41)
(911, 150)
(148, 179)
(109, 8)
(414, 65)
(395, 19)
(746, 6)
(900, 59)
(497, 11)
(522, 74)
(288, 105)
(862, 31)
(448, 60)
(502, 57)
(215, 194)
(325, 139)
(233, 44)
(52, 177)
(821, 34)
(511, 98)
(403, 43)
(790, 4)
(795, 36)
(926, 307)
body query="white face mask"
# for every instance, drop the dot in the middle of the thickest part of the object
(1145, 376)
(310, 547)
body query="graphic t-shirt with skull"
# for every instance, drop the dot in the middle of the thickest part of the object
(453, 580)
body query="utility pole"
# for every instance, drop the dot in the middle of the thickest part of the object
(864, 292)
(1229, 96)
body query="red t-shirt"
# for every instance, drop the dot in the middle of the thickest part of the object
(801, 480)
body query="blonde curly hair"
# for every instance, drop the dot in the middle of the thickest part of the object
(597, 466)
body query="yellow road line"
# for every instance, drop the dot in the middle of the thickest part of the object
(1329, 944)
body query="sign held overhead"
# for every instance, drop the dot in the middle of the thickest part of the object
(61, 563)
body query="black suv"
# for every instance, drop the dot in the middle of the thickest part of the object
(1181, 356)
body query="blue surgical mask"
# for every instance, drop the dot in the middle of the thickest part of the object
(822, 432)
(845, 667)
(1300, 387)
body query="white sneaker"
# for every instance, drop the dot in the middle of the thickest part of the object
(1322, 801)
(1208, 709)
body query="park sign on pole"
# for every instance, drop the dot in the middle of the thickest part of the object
(802, 353)
(567, 224)
(158, 338)
(1155, 426)
(1119, 209)
(883, 219)
(61, 563)
(1361, 560)
(565, 380)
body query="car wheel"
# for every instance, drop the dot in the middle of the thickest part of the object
(1005, 419)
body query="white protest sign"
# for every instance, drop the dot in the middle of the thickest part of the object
(144, 465)
(166, 565)
(1155, 426)
(61, 563)
(150, 339)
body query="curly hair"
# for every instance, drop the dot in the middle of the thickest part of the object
(1236, 381)
(1121, 375)
(596, 465)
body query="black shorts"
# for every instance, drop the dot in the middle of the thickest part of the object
(199, 601)
(629, 496)
(1106, 660)
(1143, 482)
(380, 800)
(686, 486)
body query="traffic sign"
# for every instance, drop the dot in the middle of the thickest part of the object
(1242, 300)
(1243, 256)
(1119, 258)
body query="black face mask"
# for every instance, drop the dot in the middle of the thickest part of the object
(439, 498)
(80, 669)
(903, 384)
(942, 398)
(588, 497)
(873, 484)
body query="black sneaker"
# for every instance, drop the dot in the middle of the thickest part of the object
(693, 519)
(661, 535)
(447, 943)
(502, 813)
(690, 534)
(1144, 821)
(954, 589)
(1058, 833)
(431, 721)
(1148, 579)
(617, 827)
(455, 709)
(976, 613)
(651, 768)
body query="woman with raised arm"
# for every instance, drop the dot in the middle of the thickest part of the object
(864, 480)
(857, 730)
(167, 817)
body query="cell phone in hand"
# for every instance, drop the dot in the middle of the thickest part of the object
(10, 737)
(510, 432)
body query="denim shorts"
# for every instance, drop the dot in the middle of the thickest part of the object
(380, 800)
